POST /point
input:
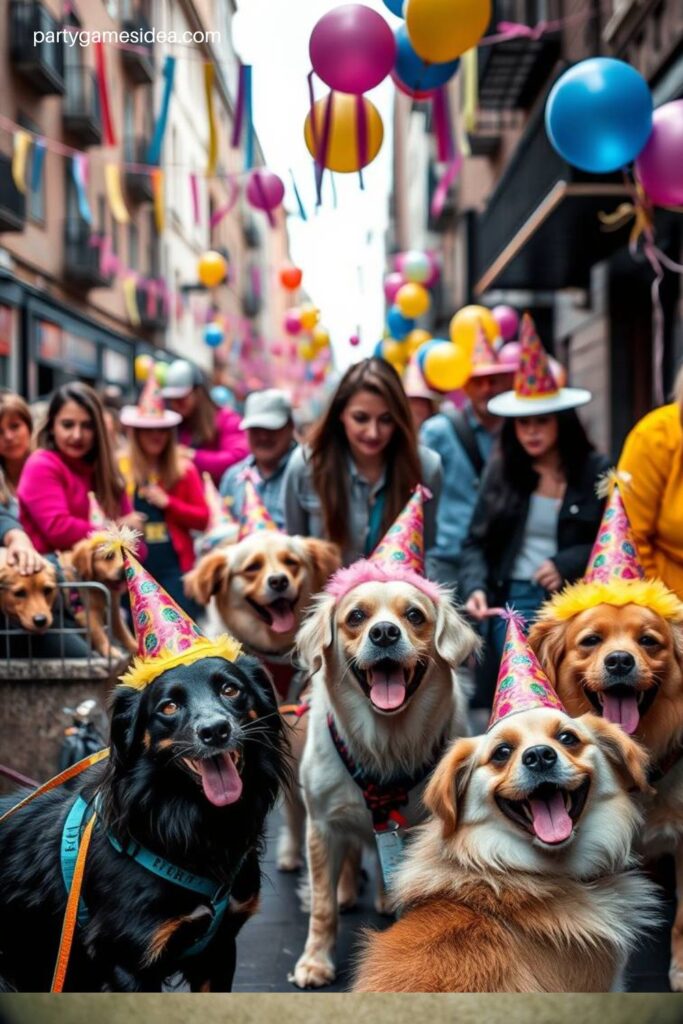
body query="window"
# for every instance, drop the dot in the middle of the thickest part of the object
(35, 199)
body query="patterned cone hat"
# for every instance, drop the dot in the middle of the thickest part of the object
(485, 359)
(534, 378)
(522, 683)
(255, 515)
(151, 400)
(166, 635)
(96, 515)
(219, 513)
(403, 544)
(614, 556)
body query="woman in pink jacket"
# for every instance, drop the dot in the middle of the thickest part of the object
(209, 436)
(74, 458)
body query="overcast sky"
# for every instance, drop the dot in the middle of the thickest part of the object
(341, 251)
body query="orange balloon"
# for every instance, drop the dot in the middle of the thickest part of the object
(290, 278)
(212, 268)
(342, 151)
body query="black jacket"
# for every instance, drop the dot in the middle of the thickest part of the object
(495, 537)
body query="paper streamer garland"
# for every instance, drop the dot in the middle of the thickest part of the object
(22, 145)
(79, 175)
(158, 193)
(37, 164)
(156, 142)
(130, 298)
(112, 179)
(213, 134)
(105, 107)
(194, 194)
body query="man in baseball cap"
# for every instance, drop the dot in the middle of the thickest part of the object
(269, 426)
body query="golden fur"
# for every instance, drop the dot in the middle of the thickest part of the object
(29, 599)
(488, 906)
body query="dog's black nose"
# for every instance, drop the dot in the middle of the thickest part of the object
(39, 621)
(384, 634)
(278, 582)
(620, 663)
(539, 758)
(215, 733)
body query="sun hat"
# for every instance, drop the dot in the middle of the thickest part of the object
(181, 378)
(270, 409)
(150, 412)
(536, 391)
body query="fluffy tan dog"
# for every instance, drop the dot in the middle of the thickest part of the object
(28, 599)
(520, 881)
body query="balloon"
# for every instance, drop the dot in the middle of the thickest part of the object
(306, 351)
(415, 266)
(508, 321)
(309, 316)
(416, 339)
(558, 371)
(659, 167)
(444, 366)
(355, 340)
(509, 355)
(378, 350)
(415, 73)
(320, 338)
(143, 366)
(292, 322)
(441, 30)
(413, 300)
(599, 115)
(290, 278)
(213, 335)
(415, 94)
(265, 191)
(342, 150)
(352, 49)
(222, 396)
(398, 324)
(465, 324)
(394, 352)
(212, 268)
(160, 373)
(392, 283)
(395, 6)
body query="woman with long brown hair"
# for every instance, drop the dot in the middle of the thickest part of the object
(16, 432)
(361, 465)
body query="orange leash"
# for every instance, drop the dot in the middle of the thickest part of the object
(58, 780)
(71, 912)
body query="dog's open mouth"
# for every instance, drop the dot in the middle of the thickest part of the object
(279, 615)
(549, 812)
(219, 776)
(388, 684)
(622, 705)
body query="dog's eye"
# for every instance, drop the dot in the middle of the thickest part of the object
(21, 593)
(252, 567)
(592, 640)
(415, 616)
(291, 563)
(502, 753)
(229, 690)
(648, 641)
(355, 617)
(49, 591)
(109, 557)
(568, 739)
(169, 708)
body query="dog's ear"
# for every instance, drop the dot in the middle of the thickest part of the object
(316, 633)
(125, 707)
(547, 641)
(455, 640)
(82, 559)
(448, 783)
(261, 683)
(628, 757)
(677, 635)
(207, 577)
(325, 558)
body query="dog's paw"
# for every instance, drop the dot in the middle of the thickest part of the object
(676, 977)
(313, 972)
(289, 855)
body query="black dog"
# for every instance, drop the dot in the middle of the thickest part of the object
(197, 761)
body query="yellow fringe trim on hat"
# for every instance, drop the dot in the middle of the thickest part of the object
(610, 479)
(144, 671)
(579, 597)
(117, 538)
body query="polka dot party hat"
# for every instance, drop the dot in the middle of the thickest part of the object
(522, 684)
(96, 515)
(614, 555)
(166, 635)
(255, 515)
(403, 544)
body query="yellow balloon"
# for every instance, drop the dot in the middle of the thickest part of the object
(342, 150)
(441, 30)
(466, 323)
(306, 351)
(143, 366)
(309, 316)
(447, 366)
(413, 300)
(320, 338)
(415, 339)
(212, 268)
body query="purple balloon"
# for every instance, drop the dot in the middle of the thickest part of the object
(352, 49)
(659, 167)
(265, 190)
(508, 321)
(392, 283)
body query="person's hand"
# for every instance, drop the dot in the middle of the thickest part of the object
(134, 520)
(548, 576)
(21, 554)
(477, 605)
(185, 452)
(155, 495)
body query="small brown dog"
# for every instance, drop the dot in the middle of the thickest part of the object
(28, 599)
(93, 561)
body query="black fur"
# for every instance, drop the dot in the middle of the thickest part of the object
(148, 794)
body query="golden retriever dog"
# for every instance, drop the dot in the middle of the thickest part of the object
(520, 880)
(625, 663)
(28, 599)
(92, 560)
(383, 649)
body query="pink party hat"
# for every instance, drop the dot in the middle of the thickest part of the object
(522, 683)
(614, 555)
(534, 378)
(485, 360)
(403, 544)
(96, 515)
(255, 515)
(219, 513)
(150, 411)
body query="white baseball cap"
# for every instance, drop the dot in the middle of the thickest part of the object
(270, 410)
(181, 378)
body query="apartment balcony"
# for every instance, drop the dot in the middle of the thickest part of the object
(152, 308)
(513, 73)
(138, 57)
(81, 107)
(12, 201)
(41, 64)
(81, 256)
(137, 181)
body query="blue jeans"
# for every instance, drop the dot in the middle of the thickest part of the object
(526, 598)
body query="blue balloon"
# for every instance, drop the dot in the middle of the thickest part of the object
(222, 396)
(378, 351)
(423, 352)
(398, 324)
(599, 115)
(213, 335)
(416, 74)
(395, 6)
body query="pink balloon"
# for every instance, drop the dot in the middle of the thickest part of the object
(435, 271)
(508, 321)
(352, 48)
(354, 340)
(292, 322)
(392, 283)
(265, 191)
(509, 355)
(659, 167)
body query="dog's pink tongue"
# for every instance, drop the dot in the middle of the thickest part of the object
(552, 823)
(282, 616)
(621, 711)
(220, 780)
(388, 690)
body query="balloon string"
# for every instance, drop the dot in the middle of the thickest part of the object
(362, 136)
